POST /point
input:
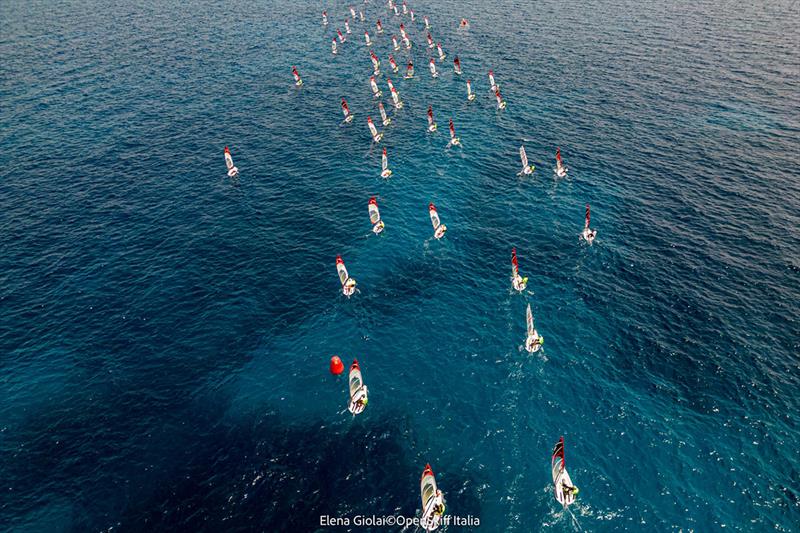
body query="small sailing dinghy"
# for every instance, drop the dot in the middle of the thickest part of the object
(396, 99)
(334, 51)
(430, 42)
(376, 63)
(348, 116)
(442, 55)
(374, 214)
(386, 120)
(470, 94)
(347, 26)
(560, 169)
(410, 70)
(385, 171)
(324, 18)
(393, 64)
(232, 170)
(297, 80)
(348, 283)
(527, 168)
(395, 45)
(565, 491)
(366, 38)
(457, 65)
(432, 66)
(432, 501)
(358, 391)
(588, 234)
(374, 131)
(534, 341)
(492, 85)
(342, 38)
(501, 104)
(454, 141)
(427, 23)
(378, 27)
(431, 123)
(376, 93)
(438, 228)
(518, 282)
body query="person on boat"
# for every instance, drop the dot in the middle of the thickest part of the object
(569, 490)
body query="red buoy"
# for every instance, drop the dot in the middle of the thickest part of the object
(337, 367)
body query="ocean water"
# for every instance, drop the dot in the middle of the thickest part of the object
(165, 330)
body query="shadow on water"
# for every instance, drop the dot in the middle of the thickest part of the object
(272, 476)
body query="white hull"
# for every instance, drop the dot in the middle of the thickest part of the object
(518, 283)
(532, 343)
(233, 172)
(440, 231)
(378, 228)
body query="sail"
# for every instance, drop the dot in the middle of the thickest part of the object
(558, 156)
(403, 31)
(345, 109)
(333, 45)
(228, 159)
(389, 83)
(523, 156)
(457, 64)
(355, 379)
(432, 66)
(379, 26)
(452, 130)
(383, 113)
(469, 88)
(366, 38)
(557, 461)
(394, 42)
(430, 116)
(430, 40)
(384, 165)
(410, 69)
(491, 79)
(341, 270)
(529, 320)
(514, 264)
(587, 217)
(392, 63)
(499, 99)
(434, 216)
(428, 489)
(374, 214)
(295, 74)
(373, 85)
(395, 97)
(372, 128)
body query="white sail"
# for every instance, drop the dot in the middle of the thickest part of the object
(432, 500)
(469, 90)
(374, 213)
(341, 270)
(389, 83)
(441, 53)
(358, 391)
(347, 27)
(384, 118)
(372, 128)
(228, 159)
(403, 31)
(333, 46)
(434, 216)
(492, 84)
(375, 90)
(366, 38)
(396, 99)
(523, 156)
(427, 23)
(529, 321)
(565, 491)
(324, 18)
(352, 12)
(394, 43)
(379, 26)
(432, 66)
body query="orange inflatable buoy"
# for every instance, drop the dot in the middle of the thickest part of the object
(337, 367)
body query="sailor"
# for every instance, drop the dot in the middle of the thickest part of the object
(569, 490)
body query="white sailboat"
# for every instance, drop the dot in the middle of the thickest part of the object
(432, 66)
(348, 116)
(433, 507)
(396, 99)
(348, 283)
(501, 104)
(374, 131)
(439, 229)
(560, 169)
(358, 391)
(232, 170)
(518, 282)
(385, 171)
(470, 94)
(565, 491)
(454, 141)
(431, 123)
(393, 64)
(527, 168)
(376, 93)
(492, 85)
(588, 234)
(442, 55)
(297, 80)
(533, 341)
(375, 214)
(386, 120)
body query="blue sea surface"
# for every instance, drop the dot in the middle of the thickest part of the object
(165, 330)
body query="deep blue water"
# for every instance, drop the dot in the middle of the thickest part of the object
(165, 330)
